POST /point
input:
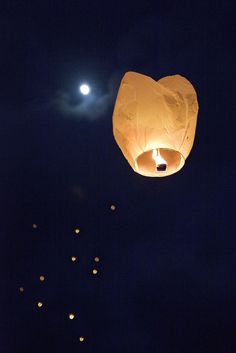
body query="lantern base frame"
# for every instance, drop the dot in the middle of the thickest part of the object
(161, 167)
(146, 165)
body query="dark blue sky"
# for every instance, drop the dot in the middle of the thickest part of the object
(166, 276)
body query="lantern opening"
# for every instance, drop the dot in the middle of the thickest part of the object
(159, 162)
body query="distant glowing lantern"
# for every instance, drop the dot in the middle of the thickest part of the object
(154, 122)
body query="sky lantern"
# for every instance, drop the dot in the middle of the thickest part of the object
(154, 122)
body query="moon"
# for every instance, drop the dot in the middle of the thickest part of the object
(84, 89)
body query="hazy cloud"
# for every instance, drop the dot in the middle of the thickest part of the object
(92, 106)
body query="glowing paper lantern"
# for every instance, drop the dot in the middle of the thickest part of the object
(154, 122)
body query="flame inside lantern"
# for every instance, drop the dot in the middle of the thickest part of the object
(161, 163)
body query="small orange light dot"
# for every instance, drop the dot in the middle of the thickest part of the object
(77, 230)
(73, 258)
(96, 259)
(21, 289)
(95, 271)
(81, 339)
(41, 278)
(71, 316)
(113, 207)
(40, 304)
(34, 225)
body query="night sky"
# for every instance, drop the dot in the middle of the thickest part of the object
(165, 280)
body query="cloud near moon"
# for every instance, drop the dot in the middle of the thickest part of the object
(92, 107)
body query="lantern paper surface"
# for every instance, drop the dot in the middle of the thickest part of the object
(154, 122)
